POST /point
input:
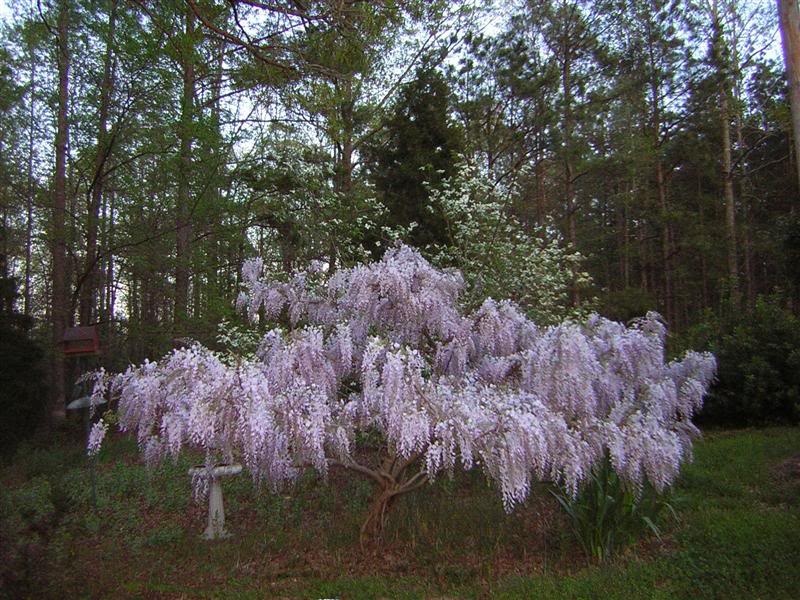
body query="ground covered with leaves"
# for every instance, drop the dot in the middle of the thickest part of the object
(736, 533)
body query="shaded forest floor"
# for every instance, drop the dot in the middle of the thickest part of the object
(737, 534)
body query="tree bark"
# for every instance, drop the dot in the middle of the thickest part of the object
(88, 294)
(722, 64)
(395, 477)
(30, 200)
(745, 195)
(110, 285)
(730, 200)
(183, 208)
(569, 169)
(60, 296)
(665, 231)
(541, 200)
(789, 18)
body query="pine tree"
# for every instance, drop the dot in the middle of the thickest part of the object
(419, 149)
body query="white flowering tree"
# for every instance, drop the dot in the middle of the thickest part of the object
(383, 351)
(497, 255)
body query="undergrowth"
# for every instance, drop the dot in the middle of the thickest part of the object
(737, 534)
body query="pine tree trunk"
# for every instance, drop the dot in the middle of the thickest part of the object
(541, 200)
(60, 296)
(30, 199)
(110, 285)
(722, 63)
(569, 169)
(88, 294)
(745, 196)
(789, 18)
(669, 309)
(730, 205)
(183, 208)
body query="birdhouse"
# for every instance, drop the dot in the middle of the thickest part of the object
(81, 341)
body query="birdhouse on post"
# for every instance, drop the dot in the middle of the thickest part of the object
(81, 341)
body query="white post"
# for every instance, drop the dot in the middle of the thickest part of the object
(216, 508)
(216, 513)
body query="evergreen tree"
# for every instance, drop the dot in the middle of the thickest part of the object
(22, 393)
(420, 149)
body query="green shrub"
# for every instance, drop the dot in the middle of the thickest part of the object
(758, 378)
(624, 305)
(26, 516)
(22, 393)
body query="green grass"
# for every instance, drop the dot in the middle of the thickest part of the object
(738, 534)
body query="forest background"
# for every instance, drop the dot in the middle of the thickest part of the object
(616, 156)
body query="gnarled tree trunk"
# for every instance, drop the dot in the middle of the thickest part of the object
(395, 477)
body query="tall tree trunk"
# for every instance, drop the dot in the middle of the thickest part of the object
(183, 208)
(215, 241)
(789, 18)
(27, 293)
(661, 187)
(569, 168)
(110, 284)
(703, 259)
(625, 238)
(4, 240)
(88, 294)
(343, 182)
(666, 265)
(60, 299)
(541, 199)
(730, 200)
(722, 64)
(745, 196)
(644, 263)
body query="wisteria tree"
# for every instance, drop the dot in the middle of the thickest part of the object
(383, 351)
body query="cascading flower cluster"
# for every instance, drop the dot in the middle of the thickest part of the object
(384, 347)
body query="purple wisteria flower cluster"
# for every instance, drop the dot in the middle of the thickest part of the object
(384, 348)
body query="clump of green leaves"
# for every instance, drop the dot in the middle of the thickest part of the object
(22, 392)
(26, 514)
(609, 513)
(237, 340)
(498, 256)
(758, 353)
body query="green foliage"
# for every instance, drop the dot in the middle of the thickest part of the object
(738, 537)
(420, 149)
(26, 514)
(607, 514)
(626, 304)
(22, 392)
(497, 255)
(302, 217)
(237, 341)
(758, 380)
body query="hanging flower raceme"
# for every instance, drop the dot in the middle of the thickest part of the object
(385, 347)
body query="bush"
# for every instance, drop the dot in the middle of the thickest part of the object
(22, 392)
(499, 257)
(758, 381)
(26, 515)
(624, 305)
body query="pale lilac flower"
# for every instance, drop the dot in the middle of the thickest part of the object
(96, 436)
(385, 348)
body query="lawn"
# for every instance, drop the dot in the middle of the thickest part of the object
(736, 535)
